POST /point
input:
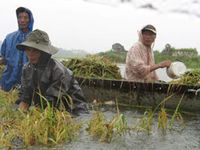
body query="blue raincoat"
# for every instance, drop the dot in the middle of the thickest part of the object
(14, 59)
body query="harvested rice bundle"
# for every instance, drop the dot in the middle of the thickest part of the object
(93, 67)
(189, 78)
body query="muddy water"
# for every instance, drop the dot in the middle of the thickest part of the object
(184, 136)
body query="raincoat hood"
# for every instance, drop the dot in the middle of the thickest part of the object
(149, 27)
(140, 36)
(31, 20)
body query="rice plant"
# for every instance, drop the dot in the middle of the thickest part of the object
(47, 126)
(93, 67)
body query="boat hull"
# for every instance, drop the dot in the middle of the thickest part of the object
(137, 94)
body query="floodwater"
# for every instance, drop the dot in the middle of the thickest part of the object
(183, 136)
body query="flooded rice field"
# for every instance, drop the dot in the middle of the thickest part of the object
(183, 136)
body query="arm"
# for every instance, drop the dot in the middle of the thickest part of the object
(64, 87)
(162, 64)
(57, 83)
(2, 61)
(25, 92)
(23, 106)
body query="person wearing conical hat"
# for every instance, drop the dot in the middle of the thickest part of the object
(45, 79)
(140, 64)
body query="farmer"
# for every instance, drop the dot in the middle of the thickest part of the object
(45, 79)
(10, 56)
(140, 65)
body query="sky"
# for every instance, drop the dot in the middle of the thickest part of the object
(77, 24)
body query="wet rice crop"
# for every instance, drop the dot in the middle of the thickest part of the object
(37, 126)
(93, 67)
(104, 130)
(189, 78)
(162, 120)
(49, 126)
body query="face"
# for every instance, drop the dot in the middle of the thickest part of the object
(33, 55)
(148, 38)
(23, 21)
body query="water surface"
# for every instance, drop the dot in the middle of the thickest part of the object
(183, 136)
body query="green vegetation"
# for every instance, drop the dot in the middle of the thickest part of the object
(190, 62)
(104, 130)
(184, 49)
(118, 57)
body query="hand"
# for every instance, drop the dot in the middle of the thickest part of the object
(23, 106)
(2, 62)
(165, 63)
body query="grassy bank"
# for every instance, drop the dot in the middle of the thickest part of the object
(117, 57)
(190, 62)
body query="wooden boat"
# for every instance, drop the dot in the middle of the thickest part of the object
(141, 94)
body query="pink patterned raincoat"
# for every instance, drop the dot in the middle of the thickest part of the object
(138, 61)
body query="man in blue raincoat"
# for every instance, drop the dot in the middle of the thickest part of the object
(10, 56)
